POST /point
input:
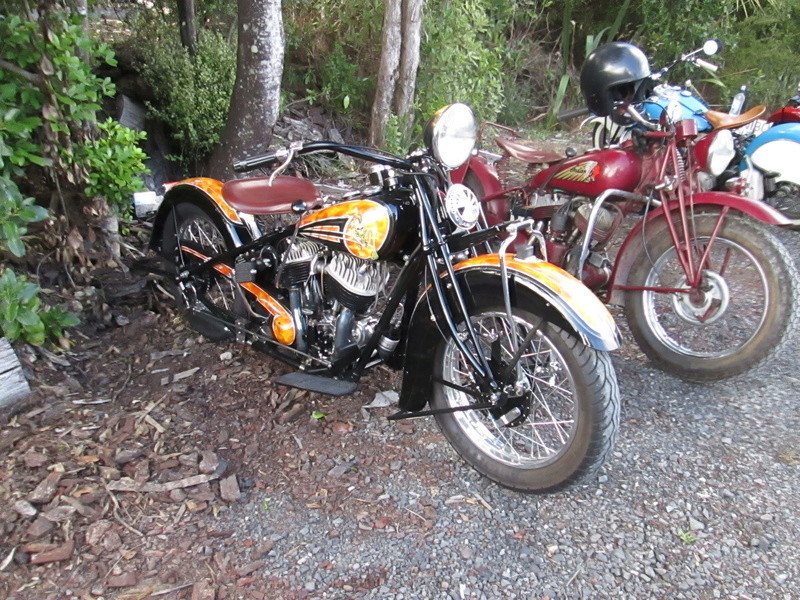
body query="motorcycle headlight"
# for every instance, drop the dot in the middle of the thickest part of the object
(720, 152)
(450, 134)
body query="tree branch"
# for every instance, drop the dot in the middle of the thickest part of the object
(33, 78)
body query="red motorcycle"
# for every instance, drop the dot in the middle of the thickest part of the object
(708, 291)
(789, 113)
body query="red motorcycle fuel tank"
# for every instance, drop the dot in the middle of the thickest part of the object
(787, 114)
(592, 173)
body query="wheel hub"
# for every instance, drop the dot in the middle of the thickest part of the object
(705, 304)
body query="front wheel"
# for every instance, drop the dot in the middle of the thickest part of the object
(556, 433)
(735, 319)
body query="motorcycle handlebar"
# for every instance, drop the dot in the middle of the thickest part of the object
(706, 65)
(260, 160)
(572, 113)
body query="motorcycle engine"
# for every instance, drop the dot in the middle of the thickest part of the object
(353, 282)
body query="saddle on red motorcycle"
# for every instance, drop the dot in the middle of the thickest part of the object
(721, 120)
(525, 153)
(257, 197)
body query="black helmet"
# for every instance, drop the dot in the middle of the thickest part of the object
(612, 73)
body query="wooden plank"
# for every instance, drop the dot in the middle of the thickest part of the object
(13, 385)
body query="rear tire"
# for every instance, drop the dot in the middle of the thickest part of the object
(191, 236)
(567, 423)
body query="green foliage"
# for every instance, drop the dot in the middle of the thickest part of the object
(192, 92)
(770, 70)
(16, 212)
(341, 88)
(462, 58)
(114, 162)
(395, 141)
(21, 314)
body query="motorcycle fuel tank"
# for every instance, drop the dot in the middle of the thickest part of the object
(592, 173)
(366, 229)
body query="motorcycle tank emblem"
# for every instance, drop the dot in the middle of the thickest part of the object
(361, 226)
(585, 171)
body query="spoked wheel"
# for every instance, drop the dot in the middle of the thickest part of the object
(736, 317)
(190, 238)
(557, 430)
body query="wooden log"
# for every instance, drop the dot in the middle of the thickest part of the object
(13, 385)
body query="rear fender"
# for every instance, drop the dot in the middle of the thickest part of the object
(206, 194)
(540, 287)
(656, 222)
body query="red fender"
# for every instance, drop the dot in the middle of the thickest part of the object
(632, 243)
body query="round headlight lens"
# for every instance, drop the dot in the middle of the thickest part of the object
(720, 152)
(451, 135)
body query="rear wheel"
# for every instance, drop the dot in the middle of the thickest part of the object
(554, 434)
(737, 317)
(191, 237)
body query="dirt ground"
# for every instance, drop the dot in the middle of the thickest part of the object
(137, 441)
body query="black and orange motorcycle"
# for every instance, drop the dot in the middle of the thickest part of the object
(508, 352)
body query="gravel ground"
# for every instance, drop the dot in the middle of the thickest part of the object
(700, 500)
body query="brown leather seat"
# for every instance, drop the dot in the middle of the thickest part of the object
(525, 153)
(721, 120)
(257, 197)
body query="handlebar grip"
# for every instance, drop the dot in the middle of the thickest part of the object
(572, 113)
(706, 65)
(260, 160)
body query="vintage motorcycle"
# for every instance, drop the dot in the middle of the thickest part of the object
(708, 291)
(767, 151)
(509, 352)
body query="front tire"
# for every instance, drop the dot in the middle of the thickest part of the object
(567, 422)
(739, 317)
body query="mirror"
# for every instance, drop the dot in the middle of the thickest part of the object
(711, 47)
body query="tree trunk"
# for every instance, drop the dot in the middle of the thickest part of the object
(256, 93)
(187, 24)
(409, 62)
(387, 74)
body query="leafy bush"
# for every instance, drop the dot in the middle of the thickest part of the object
(21, 314)
(769, 69)
(192, 92)
(462, 60)
(16, 212)
(114, 162)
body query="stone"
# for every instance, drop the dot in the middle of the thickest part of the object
(122, 580)
(203, 590)
(209, 462)
(46, 490)
(25, 508)
(96, 531)
(229, 489)
(62, 552)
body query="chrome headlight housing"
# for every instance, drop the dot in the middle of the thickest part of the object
(720, 152)
(450, 135)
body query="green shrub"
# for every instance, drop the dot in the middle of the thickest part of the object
(461, 60)
(769, 69)
(16, 212)
(114, 162)
(21, 314)
(192, 92)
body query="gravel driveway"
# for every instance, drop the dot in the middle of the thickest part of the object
(700, 500)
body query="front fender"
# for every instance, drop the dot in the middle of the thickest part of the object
(540, 287)
(656, 221)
